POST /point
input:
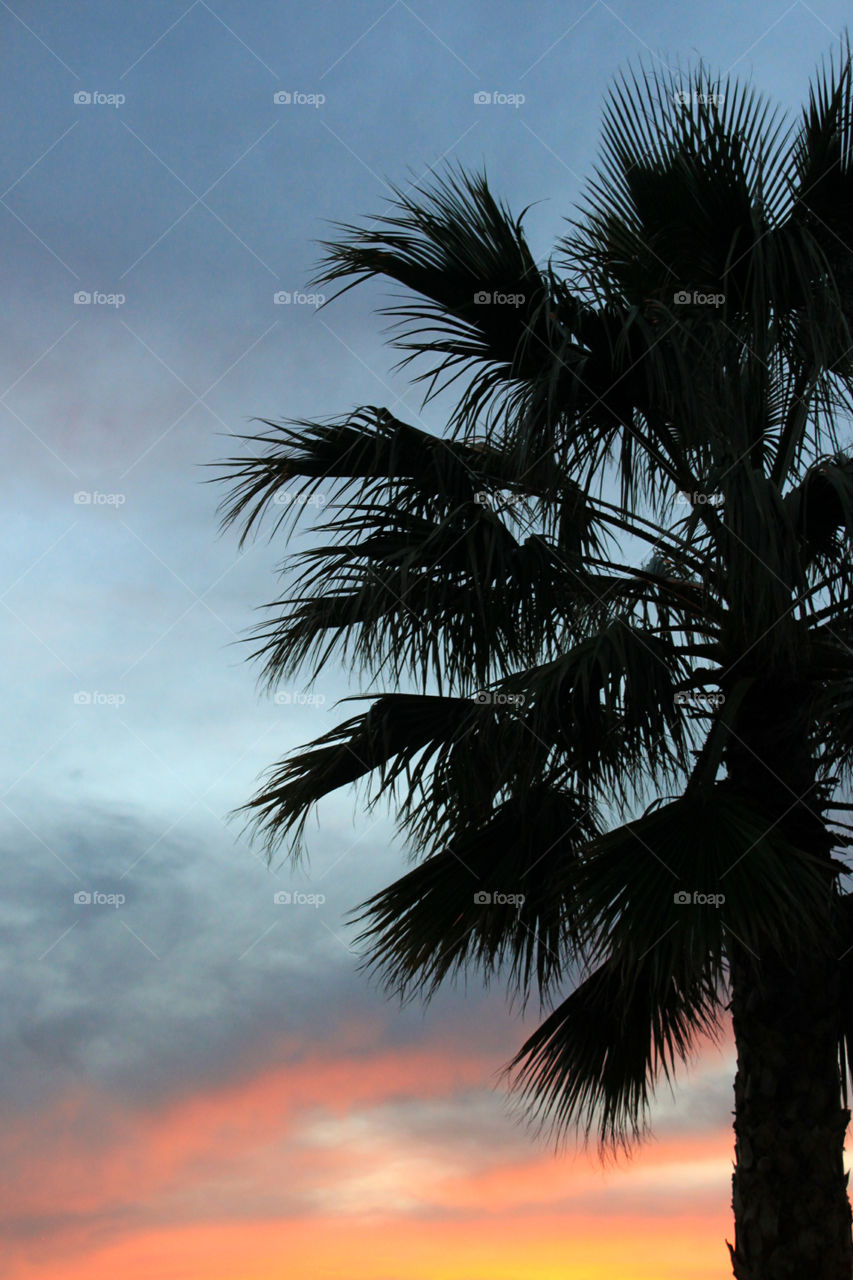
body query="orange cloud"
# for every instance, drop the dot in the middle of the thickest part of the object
(85, 1150)
(327, 1167)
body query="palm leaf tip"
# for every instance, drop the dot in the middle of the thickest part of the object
(593, 1063)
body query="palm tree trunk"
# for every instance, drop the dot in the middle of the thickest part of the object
(789, 1190)
(792, 1215)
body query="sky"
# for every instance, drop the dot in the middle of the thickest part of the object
(198, 1082)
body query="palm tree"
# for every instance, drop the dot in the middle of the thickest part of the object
(618, 591)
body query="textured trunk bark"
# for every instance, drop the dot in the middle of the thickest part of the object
(789, 1190)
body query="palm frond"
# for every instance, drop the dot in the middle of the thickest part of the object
(824, 155)
(594, 1061)
(430, 572)
(822, 509)
(833, 726)
(366, 451)
(656, 904)
(389, 737)
(484, 306)
(495, 897)
(699, 870)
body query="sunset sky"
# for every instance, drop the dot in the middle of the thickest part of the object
(197, 1082)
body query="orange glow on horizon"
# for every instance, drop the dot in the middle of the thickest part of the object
(328, 1168)
(536, 1248)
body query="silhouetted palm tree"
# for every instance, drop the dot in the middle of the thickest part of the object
(621, 584)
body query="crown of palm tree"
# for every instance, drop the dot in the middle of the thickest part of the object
(640, 513)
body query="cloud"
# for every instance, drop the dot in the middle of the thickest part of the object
(169, 1057)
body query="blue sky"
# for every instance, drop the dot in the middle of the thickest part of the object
(184, 197)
